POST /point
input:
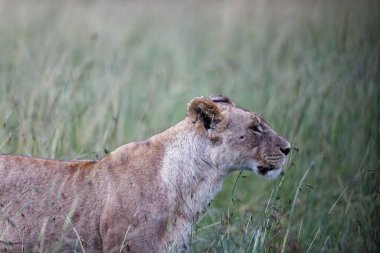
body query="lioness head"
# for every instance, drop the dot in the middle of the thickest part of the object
(241, 139)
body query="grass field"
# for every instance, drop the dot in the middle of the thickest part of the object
(80, 78)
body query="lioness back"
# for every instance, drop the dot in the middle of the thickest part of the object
(36, 194)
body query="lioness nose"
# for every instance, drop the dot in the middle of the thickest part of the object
(285, 150)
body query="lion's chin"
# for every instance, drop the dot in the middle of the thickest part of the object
(269, 171)
(273, 173)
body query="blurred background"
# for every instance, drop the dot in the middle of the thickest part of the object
(80, 78)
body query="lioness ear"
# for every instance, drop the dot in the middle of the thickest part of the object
(219, 98)
(205, 110)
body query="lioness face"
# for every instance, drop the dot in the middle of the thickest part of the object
(252, 143)
(243, 140)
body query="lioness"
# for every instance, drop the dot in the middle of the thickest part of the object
(142, 197)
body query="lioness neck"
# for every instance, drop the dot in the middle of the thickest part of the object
(187, 172)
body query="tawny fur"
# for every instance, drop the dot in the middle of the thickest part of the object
(144, 196)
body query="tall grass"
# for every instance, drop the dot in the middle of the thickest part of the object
(78, 79)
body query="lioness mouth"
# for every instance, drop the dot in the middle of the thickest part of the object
(264, 170)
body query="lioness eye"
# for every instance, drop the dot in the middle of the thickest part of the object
(256, 129)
